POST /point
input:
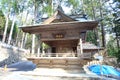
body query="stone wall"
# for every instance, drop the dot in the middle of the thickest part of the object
(10, 54)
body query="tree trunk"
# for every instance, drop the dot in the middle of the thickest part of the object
(17, 40)
(6, 26)
(82, 2)
(117, 41)
(33, 36)
(11, 31)
(93, 11)
(25, 40)
(94, 18)
(102, 26)
(24, 35)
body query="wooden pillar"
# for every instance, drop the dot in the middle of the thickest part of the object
(39, 46)
(79, 48)
(33, 43)
(43, 48)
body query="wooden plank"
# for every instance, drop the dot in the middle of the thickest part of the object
(57, 61)
(43, 61)
(43, 65)
(35, 61)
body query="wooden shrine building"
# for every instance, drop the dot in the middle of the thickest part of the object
(63, 34)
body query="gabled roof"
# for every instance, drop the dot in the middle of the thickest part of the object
(60, 21)
(58, 17)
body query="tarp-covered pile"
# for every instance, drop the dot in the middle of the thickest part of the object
(104, 70)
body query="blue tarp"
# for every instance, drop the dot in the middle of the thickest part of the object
(104, 70)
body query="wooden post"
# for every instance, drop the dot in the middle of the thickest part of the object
(43, 48)
(39, 46)
(79, 48)
(33, 43)
(38, 50)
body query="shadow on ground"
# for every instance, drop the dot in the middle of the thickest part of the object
(22, 66)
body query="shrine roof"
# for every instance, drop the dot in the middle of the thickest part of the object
(59, 21)
(87, 25)
(58, 16)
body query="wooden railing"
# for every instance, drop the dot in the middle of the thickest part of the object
(58, 55)
(84, 55)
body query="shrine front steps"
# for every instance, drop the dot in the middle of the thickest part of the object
(68, 63)
(61, 68)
